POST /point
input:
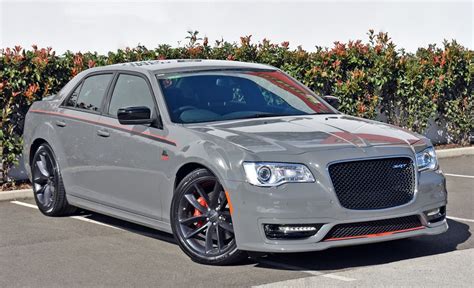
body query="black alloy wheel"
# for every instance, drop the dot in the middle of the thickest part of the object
(202, 221)
(48, 187)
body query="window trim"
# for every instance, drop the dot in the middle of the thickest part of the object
(108, 98)
(80, 83)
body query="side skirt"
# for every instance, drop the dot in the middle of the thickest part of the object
(120, 214)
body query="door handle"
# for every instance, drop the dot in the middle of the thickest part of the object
(60, 123)
(103, 133)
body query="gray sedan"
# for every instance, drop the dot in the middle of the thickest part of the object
(230, 157)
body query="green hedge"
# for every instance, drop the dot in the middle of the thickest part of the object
(371, 79)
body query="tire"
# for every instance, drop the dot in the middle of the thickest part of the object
(201, 220)
(48, 186)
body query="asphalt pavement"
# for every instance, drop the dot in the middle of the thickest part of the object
(92, 250)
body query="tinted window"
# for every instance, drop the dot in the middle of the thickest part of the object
(226, 95)
(130, 91)
(93, 91)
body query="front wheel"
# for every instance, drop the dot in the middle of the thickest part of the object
(201, 220)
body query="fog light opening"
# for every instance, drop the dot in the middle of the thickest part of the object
(436, 214)
(433, 212)
(290, 231)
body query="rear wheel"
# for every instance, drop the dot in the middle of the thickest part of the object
(201, 220)
(48, 187)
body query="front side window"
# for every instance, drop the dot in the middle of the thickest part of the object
(92, 92)
(130, 91)
(226, 95)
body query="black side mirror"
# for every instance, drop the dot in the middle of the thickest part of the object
(332, 100)
(134, 115)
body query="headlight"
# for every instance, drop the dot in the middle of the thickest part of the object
(274, 174)
(426, 159)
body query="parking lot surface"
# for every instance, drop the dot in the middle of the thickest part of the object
(92, 250)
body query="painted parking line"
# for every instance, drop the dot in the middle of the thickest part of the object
(459, 175)
(301, 269)
(24, 204)
(461, 219)
(81, 218)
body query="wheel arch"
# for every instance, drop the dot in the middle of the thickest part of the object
(34, 146)
(187, 168)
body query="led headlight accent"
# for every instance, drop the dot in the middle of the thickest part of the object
(274, 174)
(426, 159)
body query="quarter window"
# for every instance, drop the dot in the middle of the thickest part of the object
(92, 92)
(130, 91)
(72, 100)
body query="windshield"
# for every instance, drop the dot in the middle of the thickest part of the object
(208, 96)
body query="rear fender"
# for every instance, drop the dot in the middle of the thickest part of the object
(39, 127)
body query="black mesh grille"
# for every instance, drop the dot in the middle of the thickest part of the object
(373, 184)
(373, 227)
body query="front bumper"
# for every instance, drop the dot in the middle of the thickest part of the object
(311, 203)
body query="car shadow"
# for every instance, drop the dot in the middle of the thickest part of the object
(332, 259)
(373, 254)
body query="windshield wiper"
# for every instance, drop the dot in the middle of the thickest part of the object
(322, 113)
(262, 115)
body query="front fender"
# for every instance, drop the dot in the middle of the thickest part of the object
(222, 159)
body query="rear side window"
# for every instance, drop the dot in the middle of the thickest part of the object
(92, 92)
(130, 91)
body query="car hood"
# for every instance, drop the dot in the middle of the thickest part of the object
(300, 134)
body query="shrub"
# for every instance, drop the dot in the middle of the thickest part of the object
(373, 79)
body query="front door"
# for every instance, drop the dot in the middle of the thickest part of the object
(128, 156)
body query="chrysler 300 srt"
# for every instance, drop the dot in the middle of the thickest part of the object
(230, 157)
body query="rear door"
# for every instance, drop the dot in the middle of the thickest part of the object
(75, 127)
(128, 156)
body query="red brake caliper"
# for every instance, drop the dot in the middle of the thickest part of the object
(201, 201)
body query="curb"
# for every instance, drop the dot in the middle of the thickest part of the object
(455, 152)
(16, 195)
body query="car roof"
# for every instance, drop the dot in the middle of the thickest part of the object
(177, 65)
